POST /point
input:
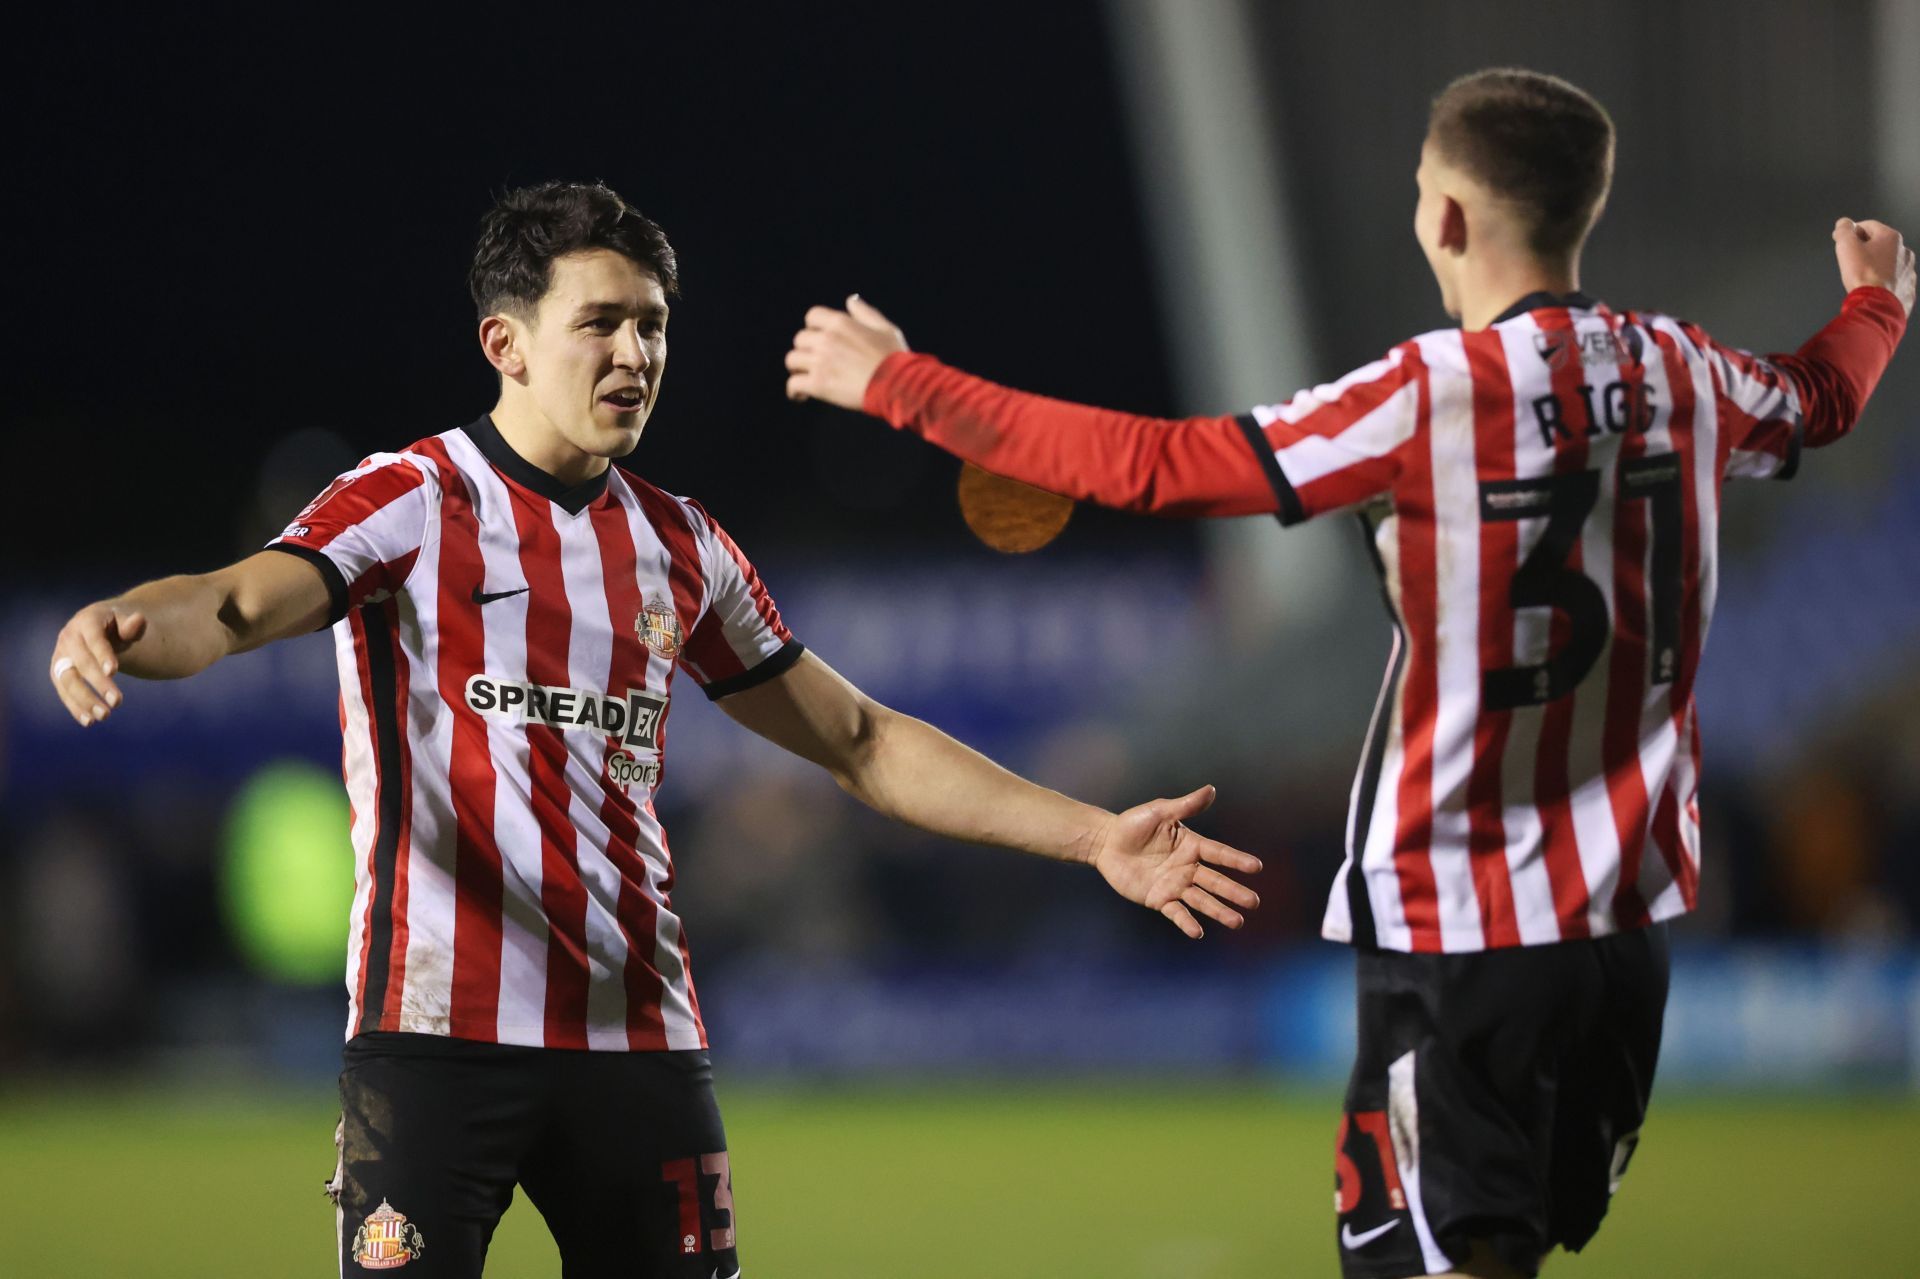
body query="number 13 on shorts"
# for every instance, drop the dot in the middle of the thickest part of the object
(691, 1177)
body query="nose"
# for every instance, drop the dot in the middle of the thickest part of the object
(629, 352)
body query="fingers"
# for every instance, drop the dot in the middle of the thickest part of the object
(1183, 920)
(1190, 804)
(1199, 899)
(1219, 885)
(825, 317)
(866, 312)
(1845, 229)
(76, 678)
(1212, 850)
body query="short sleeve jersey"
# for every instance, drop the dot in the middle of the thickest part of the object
(1542, 501)
(507, 647)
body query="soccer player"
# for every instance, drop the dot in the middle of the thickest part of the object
(509, 612)
(1540, 489)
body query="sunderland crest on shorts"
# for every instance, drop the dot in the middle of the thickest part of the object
(659, 628)
(386, 1240)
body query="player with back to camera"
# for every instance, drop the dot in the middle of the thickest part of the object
(509, 611)
(1540, 488)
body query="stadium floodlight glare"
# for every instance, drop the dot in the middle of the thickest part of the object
(287, 877)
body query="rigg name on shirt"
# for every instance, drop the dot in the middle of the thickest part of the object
(636, 721)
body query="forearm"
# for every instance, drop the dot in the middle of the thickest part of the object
(184, 633)
(912, 772)
(1836, 371)
(1161, 466)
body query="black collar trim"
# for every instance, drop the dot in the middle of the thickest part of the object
(1534, 301)
(571, 498)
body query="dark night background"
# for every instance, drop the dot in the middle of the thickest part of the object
(236, 229)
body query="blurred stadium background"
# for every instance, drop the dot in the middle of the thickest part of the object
(241, 269)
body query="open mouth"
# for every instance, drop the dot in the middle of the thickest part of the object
(626, 400)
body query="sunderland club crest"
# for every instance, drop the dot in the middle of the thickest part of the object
(386, 1240)
(659, 628)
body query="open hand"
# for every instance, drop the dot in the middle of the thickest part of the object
(1150, 858)
(1872, 253)
(834, 357)
(87, 654)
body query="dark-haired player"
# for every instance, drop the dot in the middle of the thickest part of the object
(509, 612)
(1540, 488)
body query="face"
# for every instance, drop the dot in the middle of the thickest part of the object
(592, 355)
(1431, 215)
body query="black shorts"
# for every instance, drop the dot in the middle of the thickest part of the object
(622, 1153)
(1496, 1096)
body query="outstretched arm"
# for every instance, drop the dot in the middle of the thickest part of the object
(1838, 368)
(179, 626)
(859, 360)
(912, 772)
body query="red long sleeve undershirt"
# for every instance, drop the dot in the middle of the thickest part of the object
(1837, 368)
(1204, 465)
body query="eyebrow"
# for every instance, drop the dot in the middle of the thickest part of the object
(590, 310)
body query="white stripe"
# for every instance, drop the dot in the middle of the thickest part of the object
(1377, 433)
(1403, 1125)
(1456, 507)
(1376, 844)
(426, 993)
(1520, 819)
(589, 661)
(358, 769)
(653, 570)
(523, 958)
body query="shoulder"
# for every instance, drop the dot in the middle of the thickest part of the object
(674, 510)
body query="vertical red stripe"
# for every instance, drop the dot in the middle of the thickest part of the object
(1629, 674)
(684, 573)
(1419, 689)
(1687, 420)
(756, 589)
(474, 1010)
(1493, 428)
(563, 897)
(1551, 767)
(638, 916)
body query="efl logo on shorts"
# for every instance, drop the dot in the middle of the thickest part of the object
(386, 1240)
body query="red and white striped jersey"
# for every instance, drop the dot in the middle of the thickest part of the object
(1542, 499)
(507, 647)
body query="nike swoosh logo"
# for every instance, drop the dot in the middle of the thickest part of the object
(1350, 1241)
(734, 1275)
(488, 597)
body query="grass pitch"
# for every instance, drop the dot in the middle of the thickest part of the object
(1176, 1182)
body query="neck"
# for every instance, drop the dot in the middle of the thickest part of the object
(531, 434)
(1486, 288)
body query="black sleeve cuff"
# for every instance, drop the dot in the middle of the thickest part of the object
(1792, 466)
(329, 573)
(1290, 512)
(778, 664)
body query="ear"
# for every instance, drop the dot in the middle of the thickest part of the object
(501, 339)
(1453, 226)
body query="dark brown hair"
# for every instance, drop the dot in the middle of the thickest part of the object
(1535, 140)
(529, 227)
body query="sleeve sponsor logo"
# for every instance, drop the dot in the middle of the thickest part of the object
(634, 720)
(295, 530)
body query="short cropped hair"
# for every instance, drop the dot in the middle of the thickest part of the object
(1535, 140)
(529, 227)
